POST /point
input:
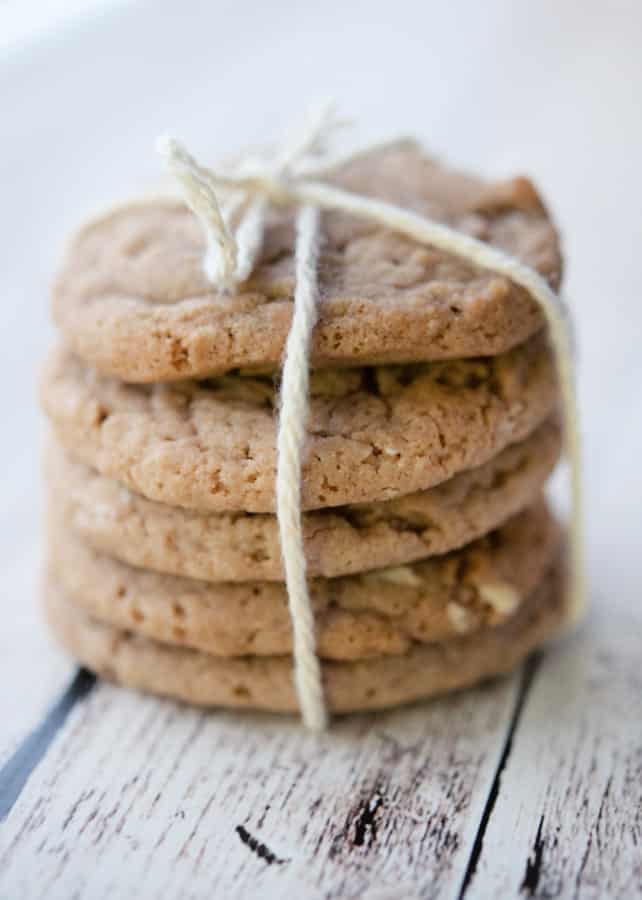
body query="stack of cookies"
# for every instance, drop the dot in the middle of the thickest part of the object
(433, 560)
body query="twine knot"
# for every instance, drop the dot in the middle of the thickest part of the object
(247, 190)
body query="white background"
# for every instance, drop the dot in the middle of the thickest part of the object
(551, 89)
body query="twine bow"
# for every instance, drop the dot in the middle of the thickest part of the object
(229, 259)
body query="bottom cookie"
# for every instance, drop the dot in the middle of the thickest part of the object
(266, 683)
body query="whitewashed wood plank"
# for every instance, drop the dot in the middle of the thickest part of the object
(568, 818)
(141, 798)
(34, 671)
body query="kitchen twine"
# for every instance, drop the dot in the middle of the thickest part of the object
(295, 178)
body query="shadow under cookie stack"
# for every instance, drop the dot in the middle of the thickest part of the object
(433, 562)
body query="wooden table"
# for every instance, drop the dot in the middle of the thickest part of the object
(528, 787)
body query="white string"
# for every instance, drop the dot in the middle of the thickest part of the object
(488, 257)
(288, 183)
(290, 439)
(249, 235)
(322, 168)
(249, 238)
(230, 260)
(200, 196)
(311, 141)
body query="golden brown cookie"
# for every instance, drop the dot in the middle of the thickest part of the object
(133, 301)
(382, 612)
(266, 683)
(373, 433)
(341, 541)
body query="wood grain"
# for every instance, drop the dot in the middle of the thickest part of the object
(141, 798)
(568, 817)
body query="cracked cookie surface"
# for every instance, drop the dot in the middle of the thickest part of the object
(377, 613)
(340, 541)
(132, 300)
(195, 677)
(372, 434)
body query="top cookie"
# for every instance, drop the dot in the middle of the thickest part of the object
(133, 301)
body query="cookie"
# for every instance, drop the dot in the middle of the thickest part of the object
(132, 299)
(266, 683)
(378, 613)
(373, 433)
(342, 541)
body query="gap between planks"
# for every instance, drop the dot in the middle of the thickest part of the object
(15, 773)
(528, 674)
(568, 819)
